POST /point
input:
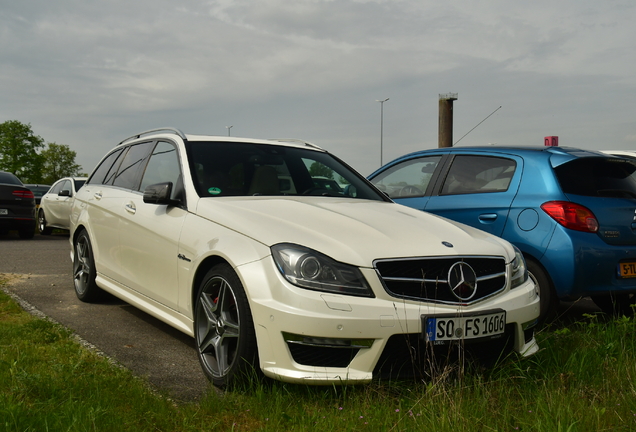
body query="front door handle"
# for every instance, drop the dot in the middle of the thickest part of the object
(487, 217)
(130, 208)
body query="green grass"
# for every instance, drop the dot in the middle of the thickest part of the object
(581, 380)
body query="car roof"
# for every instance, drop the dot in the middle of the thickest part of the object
(518, 149)
(557, 155)
(169, 132)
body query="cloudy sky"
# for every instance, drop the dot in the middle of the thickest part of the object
(90, 73)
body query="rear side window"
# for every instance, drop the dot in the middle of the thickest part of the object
(127, 176)
(106, 168)
(478, 174)
(598, 177)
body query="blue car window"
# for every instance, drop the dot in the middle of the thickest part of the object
(407, 179)
(478, 174)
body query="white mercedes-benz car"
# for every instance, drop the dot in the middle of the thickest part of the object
(233, 242)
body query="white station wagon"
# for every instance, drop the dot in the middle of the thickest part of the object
(239, 243)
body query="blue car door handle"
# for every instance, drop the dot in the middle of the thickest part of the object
(487, 217)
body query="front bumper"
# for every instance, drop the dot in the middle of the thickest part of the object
(313, 337)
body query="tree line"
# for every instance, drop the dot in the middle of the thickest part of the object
(28, 157)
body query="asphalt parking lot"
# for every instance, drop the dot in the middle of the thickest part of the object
(41, 275)
(139, 342)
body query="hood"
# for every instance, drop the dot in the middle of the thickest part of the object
(351, 231)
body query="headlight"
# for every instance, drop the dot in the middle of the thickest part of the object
(519, 269)
(309, 269)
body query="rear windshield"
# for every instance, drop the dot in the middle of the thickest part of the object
(8, 178)
(600, 177)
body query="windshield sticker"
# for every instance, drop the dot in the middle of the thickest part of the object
(214, 191)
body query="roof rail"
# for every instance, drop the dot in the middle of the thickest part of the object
(167, 129)
(298, 141)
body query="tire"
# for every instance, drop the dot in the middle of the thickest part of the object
(616, 305)
(42, 228)
(549, 302)
(224, 329)
(84, 271)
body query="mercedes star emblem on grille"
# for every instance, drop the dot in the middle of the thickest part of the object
(462, 281)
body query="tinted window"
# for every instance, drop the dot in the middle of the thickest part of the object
(598, 177)
(478, 174)
(243, 169)
(163, 166)
(408, 178)
(128, 173)
(106, 168)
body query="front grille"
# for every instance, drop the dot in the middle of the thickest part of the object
(426, 279)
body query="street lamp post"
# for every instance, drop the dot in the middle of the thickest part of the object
(381, 124)
(228, 129)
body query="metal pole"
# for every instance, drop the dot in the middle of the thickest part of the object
(381, 124)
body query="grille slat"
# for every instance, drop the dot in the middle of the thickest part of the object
(426, 279)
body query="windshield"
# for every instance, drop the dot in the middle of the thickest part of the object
(247, 169)
(598, 177)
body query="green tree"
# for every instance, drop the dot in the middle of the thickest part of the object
(319, 170)
(58, 161)
(19, 151)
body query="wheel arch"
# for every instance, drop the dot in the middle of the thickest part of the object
(200, 273)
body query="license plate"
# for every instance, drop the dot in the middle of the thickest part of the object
(627, 269)
(454, 327)
(4, 212)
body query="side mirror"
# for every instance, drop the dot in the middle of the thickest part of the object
(158, 193)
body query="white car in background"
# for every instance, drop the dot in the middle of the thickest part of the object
(55, 205)
(231, 241)
(629, 154)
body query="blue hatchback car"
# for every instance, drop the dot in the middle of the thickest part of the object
(571, 212)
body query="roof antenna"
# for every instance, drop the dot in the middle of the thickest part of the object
(478, 124)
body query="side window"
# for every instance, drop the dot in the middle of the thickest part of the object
(407, 179)
(478, 174)
(108, 165)
(56, 188)
(163, 166)
(66, 186)
(128, 173)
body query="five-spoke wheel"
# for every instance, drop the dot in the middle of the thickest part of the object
(84, 269)
(224, 329)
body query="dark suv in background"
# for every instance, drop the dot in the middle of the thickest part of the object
(572, 212)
